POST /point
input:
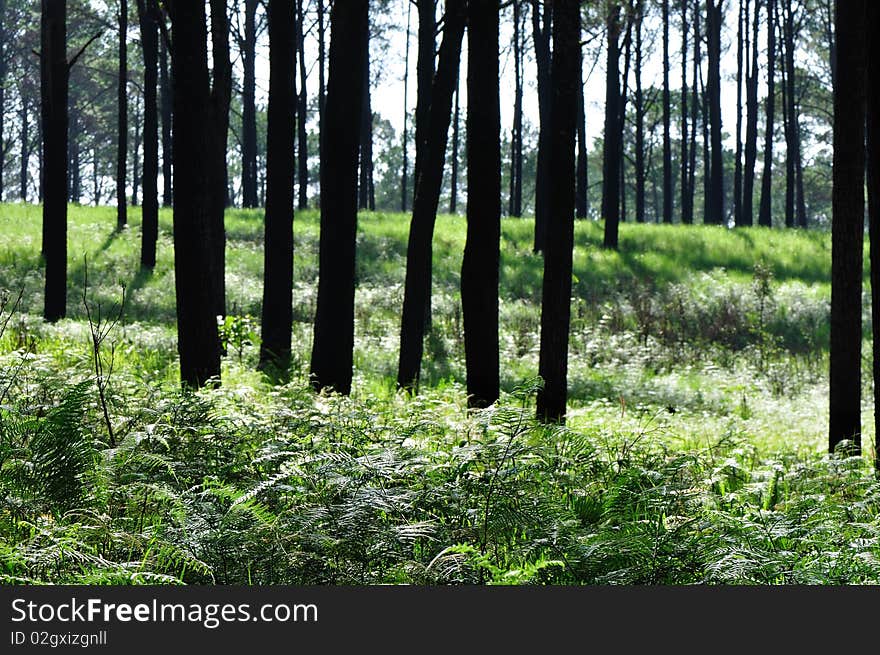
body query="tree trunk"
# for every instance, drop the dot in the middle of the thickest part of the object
(148, 17)
(333, 346)
(166, 104)
(302, 115)
(365, 187)
(4, 64)
(687, 212)
(683, 164)
(479, 269)
(424, 77)
(277, 316)
(621, 110)
(640, 118)
(135, 176)
(200, 123)
(516, 161)
(667, 138)
(716, 181)
(764, 212)
(54, 71)
(751, 144)
(611, 147)
(248, 107)
(847, 226)
(738, 171)
(873, 166)
(25, 152)
(427, 198)
(122, 117)
(404, 175)
(453, 173)
(541, 27)
(556, 292)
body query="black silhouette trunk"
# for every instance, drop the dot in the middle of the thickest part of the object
(687, 211)
(847, 226)
(556, 291)
(201, 115)
(166, 105)
(541, 28)
(738, 171)
(621, 110)
(122, 117)
(716, 179)
(424, 79)
(366, 191)
(302, 115)
(611, 148)
(873, 167)
(764, 212)
(277, 315)
(417, 285)
(248, 107)
(404, 175)
(516, 162)
(4, 65)
(148, 16)
(25, 152)
(640, 118)
(333, 345)
(683, 164)
(54, 71)
(453, 172)
(479, 269)
(667, 116)
(751, 143)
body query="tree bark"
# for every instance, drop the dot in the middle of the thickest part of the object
(166, 104)
(333, 346)
(453, 168)
(367, 196)
(683, 164)
(427, 198)
(148, 18)
(404, 174)
(277, 313)
(516, 148)
(667, 138)
(751, 144)
(716, 180)
(764, 212)
(738, 171)
(611, 146)
(302, 115)
(479, 269)
(54, 72)
(847, 227)
(541, 28)
(424, 79)
(122, 118)
(248, 107)
(640, 118)
(556, 296)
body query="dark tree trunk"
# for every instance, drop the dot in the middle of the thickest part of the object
(424, 76)
(687, 212)
(135, 175)
(367, 196)
(738, 171)
(764, 212)
(404, 175)
(621, 110)
(556, 296)
(611, 147)
(453, 172)
(541, 27)
(302, 115)
(751, 144)
(122, 117)
(516, 148)
(166, 104)
(787, 111)
(873, 156)
(667, 138)
(25, 152)
(333, 346)
(4, 65)
(248, 107)
(200, 122)
(640, 118)
(683, 164)
(847, 227)
(322, 58)
(277, 316)
(582, 201)
(421, 231)
(148, 16)
(707, 152)
(479, 269)
(794, 130)
(54, 72)
(716, 180)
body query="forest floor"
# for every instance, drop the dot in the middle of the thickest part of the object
(694, 450)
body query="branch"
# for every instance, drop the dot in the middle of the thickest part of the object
(83, 49)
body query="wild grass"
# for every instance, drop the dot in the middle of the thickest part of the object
(693, 451)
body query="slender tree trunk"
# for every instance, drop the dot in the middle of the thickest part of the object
(873, 166)
(248, 107)
(277, 315)
(751, 144)
(611, 147)
(847, 227)
(25, 152)
(404, 175)
(302, 115)
(366, 147)
(556, 295)
(640, 118)
(738, 171)
(135, 168)
(424, 76)
(707, 152)
(148, 17)
(322, 58)
(516, 163)
(541, 28)
(427, 198)
(479, 269)
(4, 65)
(667, 138)
(687, 216)
(200, 123)
(122, 117)
(764, 212)
(683, 164)
(54, 72)
(166, 104)
(800, 218)
(621, 110)
(787, 111)
(333, 345)
(716, 182)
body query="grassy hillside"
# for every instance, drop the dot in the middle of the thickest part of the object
(694, 451)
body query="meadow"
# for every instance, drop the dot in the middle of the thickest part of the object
(694, 450)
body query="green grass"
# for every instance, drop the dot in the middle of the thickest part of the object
(693, 452)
